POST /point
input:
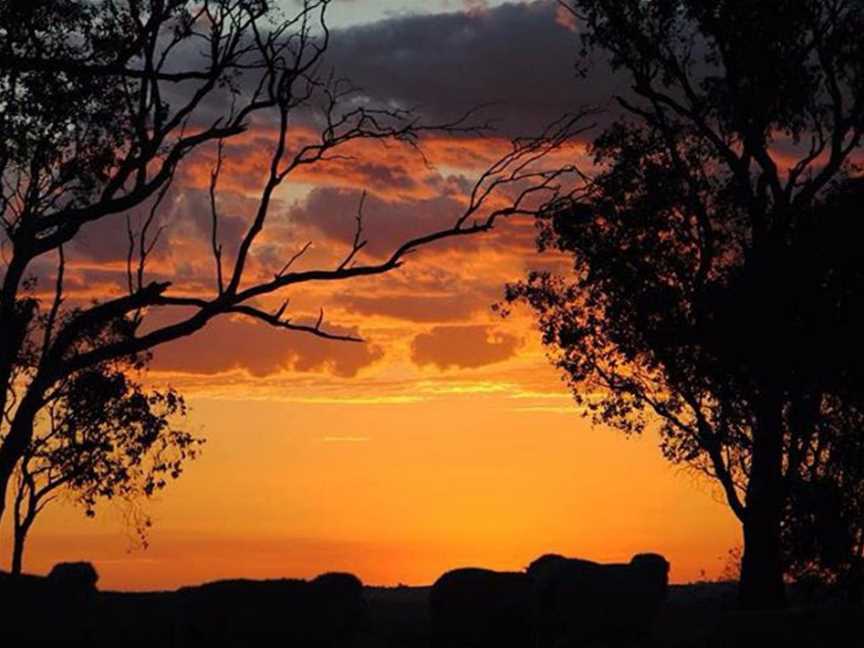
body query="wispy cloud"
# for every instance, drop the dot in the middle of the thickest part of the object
(544, 409)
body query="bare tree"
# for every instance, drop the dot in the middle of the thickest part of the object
(103, 101)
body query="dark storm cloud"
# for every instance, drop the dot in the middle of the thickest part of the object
(517, 55)
(387, 224)
(521, 58)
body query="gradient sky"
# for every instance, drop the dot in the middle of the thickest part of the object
(445, 439)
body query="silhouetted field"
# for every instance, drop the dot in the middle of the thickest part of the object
(287, 613)
(698, 615)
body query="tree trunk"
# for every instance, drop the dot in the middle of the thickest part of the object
(5, 478)
(14, 320)
(18, 438)
(21, 527)
(18, 551)
(761, 584)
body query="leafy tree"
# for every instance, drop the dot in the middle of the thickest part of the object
(103, 437)
(715, 286)
(823, 527)
(101, 101)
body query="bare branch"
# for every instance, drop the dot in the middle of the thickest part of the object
(51, 320)
(294, 258)
(275, 320)
(357, 244)
(214, 222)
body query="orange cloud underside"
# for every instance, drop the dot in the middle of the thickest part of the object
(445, 439)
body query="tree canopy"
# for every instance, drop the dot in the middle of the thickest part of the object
(714, 287)
(102, 437)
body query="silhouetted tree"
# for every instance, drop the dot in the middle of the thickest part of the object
(101, 436)
(823, 526)
(823, 529)
(715, 286)
(100, 103)
(822, 533)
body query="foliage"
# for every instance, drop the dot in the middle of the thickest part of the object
(823, 531)
(111, 438)
(714, 288)
(102, 436)
(68, 126)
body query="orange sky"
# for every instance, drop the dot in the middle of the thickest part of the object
(447, 439)
(451, 468)
(444, 440)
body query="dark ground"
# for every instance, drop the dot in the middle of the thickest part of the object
(698, 615)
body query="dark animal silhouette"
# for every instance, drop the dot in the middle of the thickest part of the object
(77, 576)
(339, 605)
(479, 608)
(326, 612)
(580, 602)
(59, 609)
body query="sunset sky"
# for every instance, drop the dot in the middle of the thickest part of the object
(446, 438)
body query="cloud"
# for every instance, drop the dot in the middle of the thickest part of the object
(520, 57)
(227, 344)
(517, 58)
(386, 223)
(517, 54)
(416, 308)
(181, 229)
(103, 241)
(566, 17)
(463, 347)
